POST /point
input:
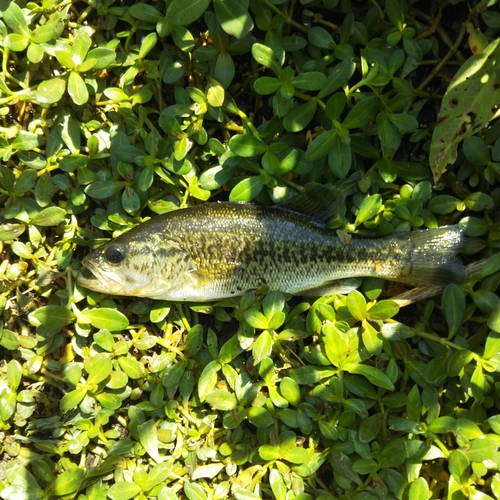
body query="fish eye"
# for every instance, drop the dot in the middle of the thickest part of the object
(114, 255)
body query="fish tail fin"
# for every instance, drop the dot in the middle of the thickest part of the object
(430, 256)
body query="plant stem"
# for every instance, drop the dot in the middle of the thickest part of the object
(285, 16)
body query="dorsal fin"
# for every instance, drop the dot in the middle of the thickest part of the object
(320, 203)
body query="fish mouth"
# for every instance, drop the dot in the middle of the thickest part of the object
(92, 278)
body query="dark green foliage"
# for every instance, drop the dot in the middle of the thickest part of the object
(112, 112)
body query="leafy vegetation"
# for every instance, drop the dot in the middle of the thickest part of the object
(112, 112)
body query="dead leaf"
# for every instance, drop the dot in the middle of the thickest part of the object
(470, 102)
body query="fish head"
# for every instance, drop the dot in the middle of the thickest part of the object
(135, 266)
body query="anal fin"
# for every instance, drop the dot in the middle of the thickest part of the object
(336, 287)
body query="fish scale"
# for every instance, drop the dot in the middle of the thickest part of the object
(219, 250)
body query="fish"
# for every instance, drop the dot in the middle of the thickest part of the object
(219, 250)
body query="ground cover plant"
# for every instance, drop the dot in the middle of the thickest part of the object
(115, 111)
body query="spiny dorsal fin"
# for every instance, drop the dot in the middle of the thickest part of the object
(320, 203)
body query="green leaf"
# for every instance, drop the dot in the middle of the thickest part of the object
(246, 190)
(145, 12)
(313, 80)
(383, 309)
(64, 56)
(481, 449)
(221, 400)
(157, 475)
(11, 231)
(335, 106)
(491, 266)
(340, 157)
(369, 208)
(105, 340)
(25, 182)
(224, 69)
(264, 55)
(335, 344)
(404, 123)
(365, 466)
(215, 177)
(208, 379)
(14, 374)
(256, 319)
(207, 471)
(133, 368)
(51, 316)
(458, 465)
(44, 190)
(182, 13)
(26, 141)
(233, 17)
(362, 112)
(110, 319)
(311, 374)
(262, 347)
(68, 482)
(148, 437)
(46, 32)
(8, 401)
(338, 77)
(102, 190)
(396, 16)
(476, 151)
(14, 18)
(458, 361)
(320, 37)
(492, 345)
(356, 304)
(72, 399)
(50, 216)
(453, 305)
(123, 490)
(266, 85)
(77, 89)
(147, 45)
(443, 204)
(290, 390)
(419, 490)
(374, 375)
(173, 374)
(194, 491)
(98, 369)
(269, 452)
(388, 134)
(299, 117)
(104, 56)
(81, 46)
(15, 42)
(477, 383)
(442, 425)
(246, 146)
(371, 339)
(321, 145)
(479, 202)
(277, 484)
(260, 417)
(130, 200)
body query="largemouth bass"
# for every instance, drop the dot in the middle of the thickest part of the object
(219, 250)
